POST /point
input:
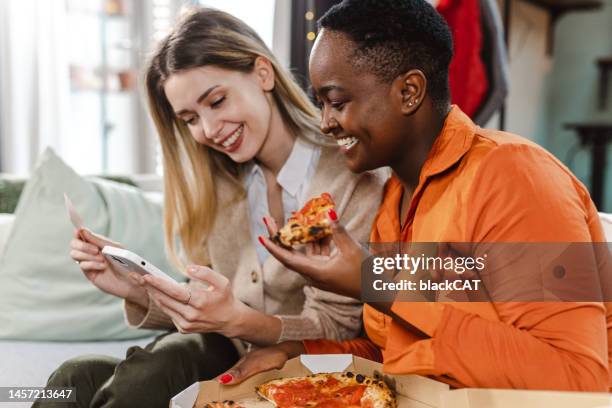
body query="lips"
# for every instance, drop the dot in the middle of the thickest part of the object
(347, 143)
(232, 142)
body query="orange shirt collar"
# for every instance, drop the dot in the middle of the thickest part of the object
(454, 140)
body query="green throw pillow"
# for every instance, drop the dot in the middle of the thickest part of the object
(43, 293)
(10, 190)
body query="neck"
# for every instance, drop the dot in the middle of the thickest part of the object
(278, 144)
(425, 127)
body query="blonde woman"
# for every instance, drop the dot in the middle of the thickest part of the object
(241, 143)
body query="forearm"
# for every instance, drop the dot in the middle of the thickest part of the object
(292, 348)
(139, 297)
(478, 352)
(324, 315)
(148, 317)
(361, 347)
(255, 327)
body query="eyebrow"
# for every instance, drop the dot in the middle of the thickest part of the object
(200, 98)
(328, 88)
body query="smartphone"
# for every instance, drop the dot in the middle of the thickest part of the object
(127, 260)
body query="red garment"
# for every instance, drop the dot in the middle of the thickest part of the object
(467, 74)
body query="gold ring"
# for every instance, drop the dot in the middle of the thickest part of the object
(189, 298)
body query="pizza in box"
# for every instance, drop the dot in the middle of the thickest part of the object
(327, 390)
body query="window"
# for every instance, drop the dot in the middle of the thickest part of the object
(108, 41)
(258, 14)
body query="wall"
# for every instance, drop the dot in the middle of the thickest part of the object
(573, 85)
(528, 70)
(548, 91)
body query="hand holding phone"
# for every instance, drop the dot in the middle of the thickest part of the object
(128, 261)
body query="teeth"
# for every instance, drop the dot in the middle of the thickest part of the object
(347, 142)
(232, 139)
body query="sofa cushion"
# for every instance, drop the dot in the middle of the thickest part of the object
(6, 223)
(11, 187)
(43, 293)
(10, 190)
(606, 222)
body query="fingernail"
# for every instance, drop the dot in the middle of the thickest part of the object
(192, 268)
(265, 221)
(226, 378)
(261, 240)
(332, 215)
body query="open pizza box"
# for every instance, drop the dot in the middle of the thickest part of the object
(490, 398)
(412, 391)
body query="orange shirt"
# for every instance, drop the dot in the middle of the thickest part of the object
(482, 185)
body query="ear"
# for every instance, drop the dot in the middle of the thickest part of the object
(410, 89)
(264, 72)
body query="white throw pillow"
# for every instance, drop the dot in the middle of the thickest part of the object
(43, 293)
(606, 222)
(6, 223)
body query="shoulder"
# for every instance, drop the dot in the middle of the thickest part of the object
(508, 160)
(519, 187)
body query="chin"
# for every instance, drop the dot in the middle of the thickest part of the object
(241, 157)
(243, 154)
(357, 166)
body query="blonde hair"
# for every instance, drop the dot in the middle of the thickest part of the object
(205, 36)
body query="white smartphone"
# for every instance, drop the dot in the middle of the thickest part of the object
(131, 262)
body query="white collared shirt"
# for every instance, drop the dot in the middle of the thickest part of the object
(294, 179)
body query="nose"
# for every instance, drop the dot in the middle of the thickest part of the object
(210, 128)
(328, 123)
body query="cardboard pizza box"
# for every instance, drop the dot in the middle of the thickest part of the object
(491, 398)
(412, 391)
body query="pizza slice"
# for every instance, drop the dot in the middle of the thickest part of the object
(329, 390)
(309, 224)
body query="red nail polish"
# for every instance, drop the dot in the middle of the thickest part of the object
(225, 378)
(265, 221)
(261, 240)
(332, 215)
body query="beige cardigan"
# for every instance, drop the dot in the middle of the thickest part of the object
(305, 312)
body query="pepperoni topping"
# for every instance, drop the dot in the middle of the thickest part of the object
(323, 394)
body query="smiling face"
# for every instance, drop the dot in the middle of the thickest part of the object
(364, 114)
(229, 111)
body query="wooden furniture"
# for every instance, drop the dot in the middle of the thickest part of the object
(605, 66)
(597, 135)
(556, 9)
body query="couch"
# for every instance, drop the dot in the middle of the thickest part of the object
(29, 363)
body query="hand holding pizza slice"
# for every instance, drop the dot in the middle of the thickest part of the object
(337, 270)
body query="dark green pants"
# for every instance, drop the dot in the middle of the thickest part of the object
(147, 377)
